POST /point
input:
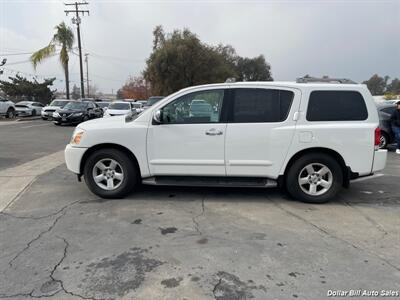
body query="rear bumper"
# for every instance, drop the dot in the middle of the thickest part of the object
(73, 158)
(380, 157)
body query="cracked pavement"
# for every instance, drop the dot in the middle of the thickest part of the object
(59, 241)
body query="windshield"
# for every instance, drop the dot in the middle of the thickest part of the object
(137, 105)
(58, 103)
(103, 104)
(119, 105)
(76, 105)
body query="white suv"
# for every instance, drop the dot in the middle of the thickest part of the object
(312, 138)
(7, 108)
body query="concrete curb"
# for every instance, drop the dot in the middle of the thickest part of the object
(18, 179)
(29, 119)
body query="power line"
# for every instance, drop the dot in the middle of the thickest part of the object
(77, 20)
(13, 54)
(28, 60)
(16, 72)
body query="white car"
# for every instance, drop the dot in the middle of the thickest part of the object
(28, 108)
(138, 107)
(7, 108)
(312, 138)
(54, 106)
(103, 104)
(118, 108)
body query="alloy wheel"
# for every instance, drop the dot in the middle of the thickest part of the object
(315, 179)
(108, 174)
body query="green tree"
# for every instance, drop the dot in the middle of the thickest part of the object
(394, 86)
(76, 92)
(180, 60)
(120, 94)
(376, 84)
(64, 38)
(253, 69)
(19, 87)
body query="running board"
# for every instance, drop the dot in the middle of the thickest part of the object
(210, 181)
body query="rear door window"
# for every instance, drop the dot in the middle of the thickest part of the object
(336, 106)
(257, 105)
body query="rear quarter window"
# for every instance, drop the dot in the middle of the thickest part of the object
(336, 106)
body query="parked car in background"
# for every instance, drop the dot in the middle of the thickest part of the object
(118, 108)
(385, 110)
(28, 108)
(201, 108)
(137, 106)
(312, 138)
(7, 108)
(142, 101)
(76, 112)
(103, 104)
(153, 100)
(55, 105)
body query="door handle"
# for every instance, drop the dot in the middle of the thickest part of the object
(213, 131)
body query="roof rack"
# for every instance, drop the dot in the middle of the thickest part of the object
(308, 79)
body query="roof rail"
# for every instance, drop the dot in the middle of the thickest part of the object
(308, 79)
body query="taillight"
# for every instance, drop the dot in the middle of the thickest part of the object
(377, 137)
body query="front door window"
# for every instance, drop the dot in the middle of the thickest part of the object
(198, 107)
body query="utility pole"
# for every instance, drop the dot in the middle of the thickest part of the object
(77, 20)
(87, 73)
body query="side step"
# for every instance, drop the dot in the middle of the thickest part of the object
(211, 181)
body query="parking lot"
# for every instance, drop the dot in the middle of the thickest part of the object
(59, 241)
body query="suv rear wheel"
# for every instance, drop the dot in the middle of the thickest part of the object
(384, 141)
(110, 173)
(314, 178)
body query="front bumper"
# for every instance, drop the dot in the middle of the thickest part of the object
(68, 120)
(23, 113)
(73, 158)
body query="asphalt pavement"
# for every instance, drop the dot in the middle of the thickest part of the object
(59, 241)
(24, 141)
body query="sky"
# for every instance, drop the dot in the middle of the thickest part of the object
(340, 38)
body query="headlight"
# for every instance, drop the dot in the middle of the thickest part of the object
(56, 114)
(77, 136)
(77, 114)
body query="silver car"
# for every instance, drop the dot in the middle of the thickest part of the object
(28, 108)
(55, 105)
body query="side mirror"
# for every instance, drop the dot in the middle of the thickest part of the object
(157, 117)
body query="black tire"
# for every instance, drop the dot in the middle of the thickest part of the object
(384, 140)
(10, 113)
(292, 178)
(129, 169)
(34, 113)
(85, 118)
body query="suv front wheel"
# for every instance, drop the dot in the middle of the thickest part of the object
(110, 173)
(314, 178)
(10, 113)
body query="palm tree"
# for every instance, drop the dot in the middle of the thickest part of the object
(63, 37)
